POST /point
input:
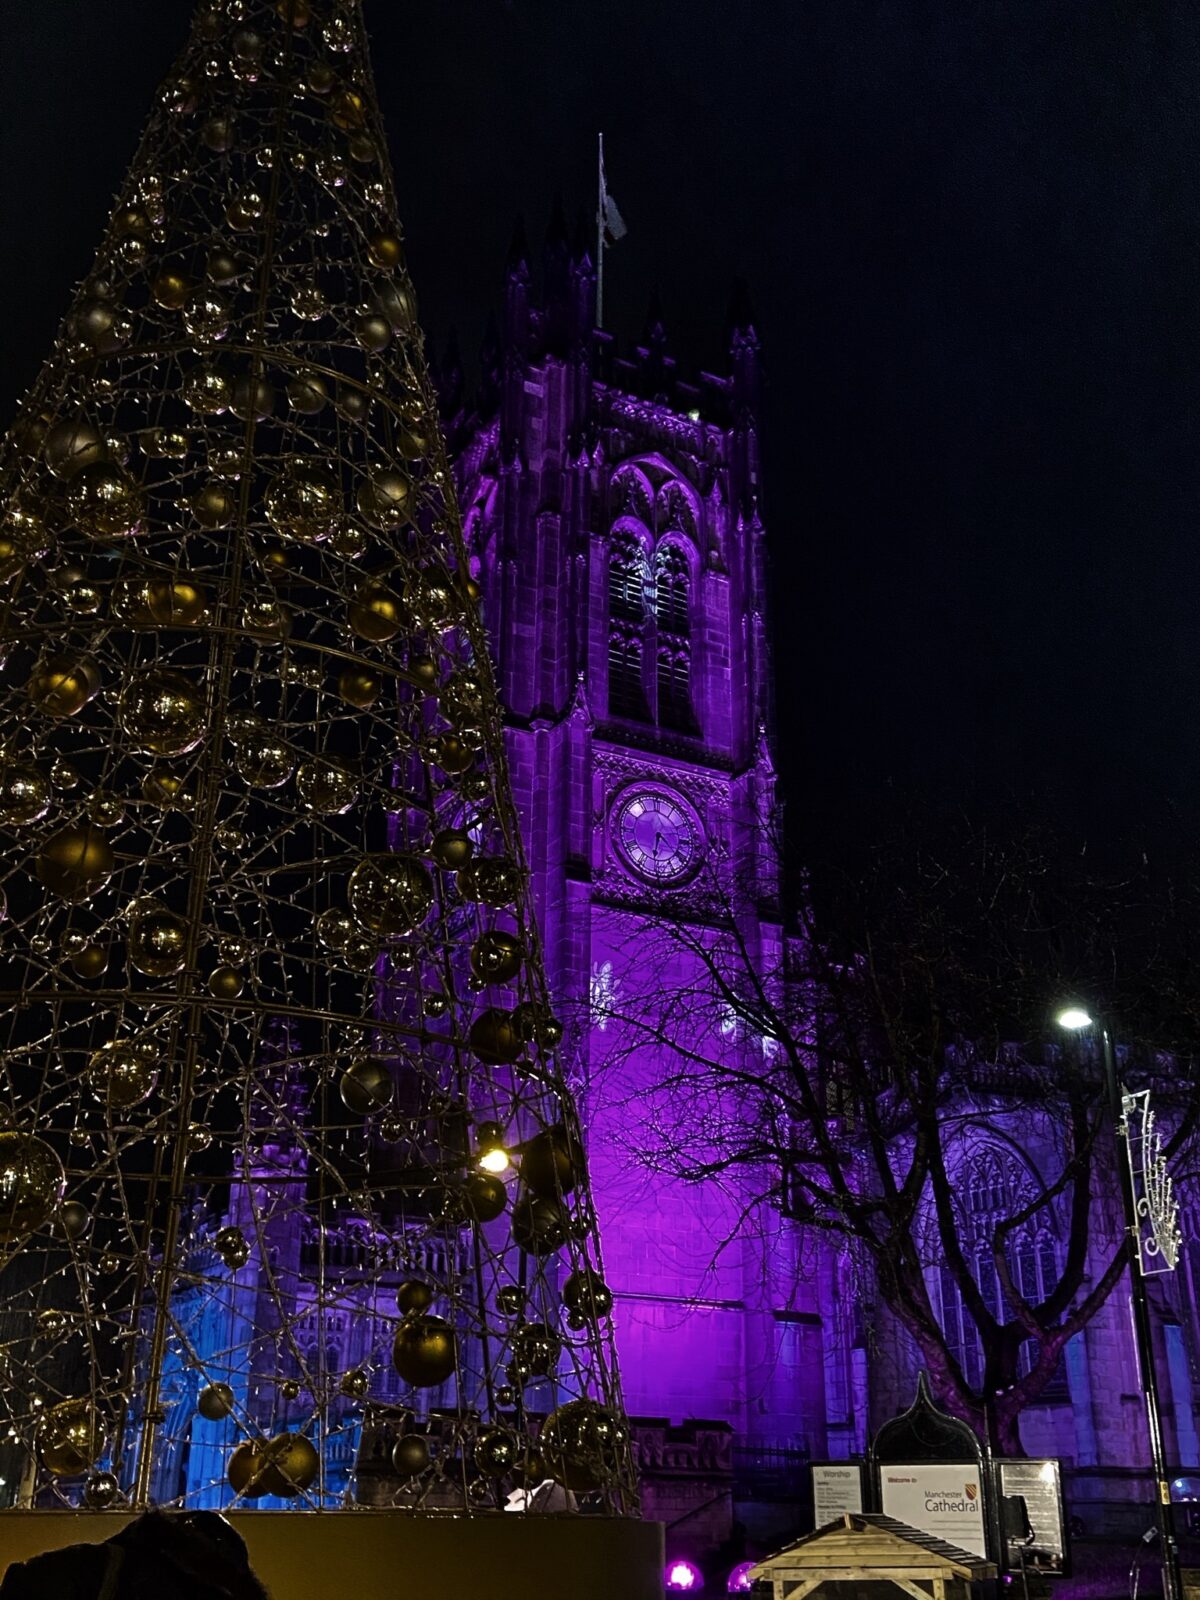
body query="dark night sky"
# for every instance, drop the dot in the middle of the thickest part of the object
(970, 229)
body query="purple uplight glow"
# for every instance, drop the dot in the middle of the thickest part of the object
(682, 1577)
(739, 1578)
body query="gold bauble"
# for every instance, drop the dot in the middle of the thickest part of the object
(424, 1351)
(396, 301)
(374, 333)
(384, 498)
(496, 957)
(215, 1402)
(390, 894)
(158, 940)
(217, 134)
(410, 1456)
(275, 560)
(361, 148)
(213, 506)
(168, 789)
(306, 393)
(90, 962)
(292, 1465)
(225, 983)
(100, 1491)
(326, 788)
(177, 604)
(164, 444)
(366, 1086)
(452, 848)
(170, 290)
(104, 502)
(102, 325)
(552, 1162)
(252, 399)
(493, 1037)
(163, 713)
(232, 1246)
(304, 502)
(76, 862)
(348, 110)
(433, 597)
(266, 620)
(375, 612)
(484, 1196)
(24, 795)
(70, 1438)
(207, 391)
(61, 685)
(583, 1445)
(265, 760)
(206, 314)
(358, 686)
(122, 1074)
(424, 669)
(413, 1295)
(355, 1384)
(131, 219)
(446, 750)
(540, 1226)
(75, 1218)
(385, 250)
(354, 404)
(70, 446)
(247, 1470)
(21, 538)
(493, 879)
(31, 1184)
(223, 266)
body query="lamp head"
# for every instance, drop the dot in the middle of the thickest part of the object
(1074, 1018)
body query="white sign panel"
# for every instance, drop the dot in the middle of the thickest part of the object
(1034, 1529)
(944, 1500)
(837, 1490)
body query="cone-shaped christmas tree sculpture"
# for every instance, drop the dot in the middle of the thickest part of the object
(292, 1197)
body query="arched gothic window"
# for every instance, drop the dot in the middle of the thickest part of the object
(990, 1184)
(627, 575)
(672, 615)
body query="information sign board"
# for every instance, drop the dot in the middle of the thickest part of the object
(837, 1490)
(945, 1500)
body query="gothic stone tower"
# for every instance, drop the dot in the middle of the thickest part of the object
(614, 514)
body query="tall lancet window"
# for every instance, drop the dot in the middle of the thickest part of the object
(627, 577)
(672, 615)
(990, 1184)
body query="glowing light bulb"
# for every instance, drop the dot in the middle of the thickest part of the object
(1074, 1018)
(494, 1160)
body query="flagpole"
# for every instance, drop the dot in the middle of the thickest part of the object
(600, 235)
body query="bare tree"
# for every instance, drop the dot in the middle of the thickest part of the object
(836, 1069)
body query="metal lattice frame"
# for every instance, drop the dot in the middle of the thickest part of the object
(273, 1001)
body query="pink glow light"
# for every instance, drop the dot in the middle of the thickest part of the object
(682, 1577)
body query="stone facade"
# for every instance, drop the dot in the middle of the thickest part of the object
(615, 516)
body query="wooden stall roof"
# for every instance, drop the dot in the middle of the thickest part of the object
(871, 1547)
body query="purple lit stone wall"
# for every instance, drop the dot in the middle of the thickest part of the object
(587, 460)
(575, 460)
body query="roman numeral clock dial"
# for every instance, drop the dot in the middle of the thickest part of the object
(657, 836)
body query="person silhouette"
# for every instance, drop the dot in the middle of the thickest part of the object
(186, 1555)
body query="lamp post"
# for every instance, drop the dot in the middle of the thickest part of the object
(1077, 1020)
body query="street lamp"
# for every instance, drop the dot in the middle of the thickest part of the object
(1076, 1019)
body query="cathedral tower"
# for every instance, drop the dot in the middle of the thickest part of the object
(614, 514)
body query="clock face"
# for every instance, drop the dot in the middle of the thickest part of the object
(657, 836)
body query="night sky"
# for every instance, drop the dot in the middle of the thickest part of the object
(970, 231)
